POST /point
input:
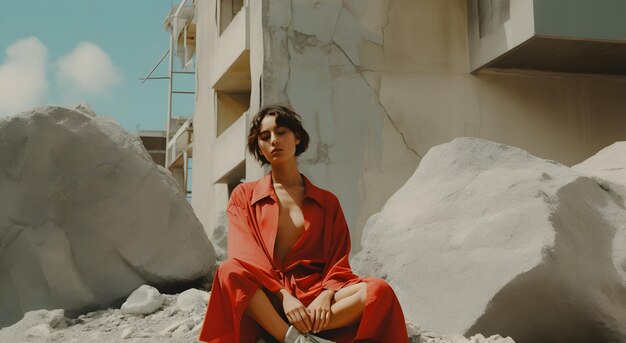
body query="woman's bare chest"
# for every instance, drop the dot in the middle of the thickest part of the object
(290, 222)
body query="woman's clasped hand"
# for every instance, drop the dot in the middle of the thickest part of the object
(296, 313)
(319, 311)
(313, 318)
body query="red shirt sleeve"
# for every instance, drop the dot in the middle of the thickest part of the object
(245, 243)
(338, 270)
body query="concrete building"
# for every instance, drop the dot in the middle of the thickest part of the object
(379, 82)
(154, 142)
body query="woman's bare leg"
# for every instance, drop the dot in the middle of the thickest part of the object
(348, 307)
(260, 309)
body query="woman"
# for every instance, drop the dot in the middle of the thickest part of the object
(287, 277)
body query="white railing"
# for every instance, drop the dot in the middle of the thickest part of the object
(180, 144)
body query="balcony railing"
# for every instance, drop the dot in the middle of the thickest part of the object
(180, 145)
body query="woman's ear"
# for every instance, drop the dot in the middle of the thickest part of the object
(297, 138)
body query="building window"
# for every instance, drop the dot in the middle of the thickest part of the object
(227, 11)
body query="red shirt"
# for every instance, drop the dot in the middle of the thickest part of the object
(317, 261)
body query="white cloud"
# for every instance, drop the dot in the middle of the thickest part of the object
(23, 76)
(86, 70)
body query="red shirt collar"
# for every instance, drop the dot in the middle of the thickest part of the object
(264, 188)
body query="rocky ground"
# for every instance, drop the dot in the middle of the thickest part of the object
(165, 318)
(148, 316)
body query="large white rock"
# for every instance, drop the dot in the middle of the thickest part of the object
(192, 300)
(35, 326)
(608, 164)
(486, 238)
(144, 300)
(86, 217)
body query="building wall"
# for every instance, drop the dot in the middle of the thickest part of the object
(201, 199)
(209, 198)
(379, 82)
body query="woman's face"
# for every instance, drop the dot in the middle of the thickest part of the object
(277, 143)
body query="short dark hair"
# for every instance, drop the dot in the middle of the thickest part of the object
(285, 117)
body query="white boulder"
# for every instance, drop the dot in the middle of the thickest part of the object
(192, 300)
(86, 216)
(608, 164)
(486, 238)
(35, 326)
(144, 300)
(39, 333)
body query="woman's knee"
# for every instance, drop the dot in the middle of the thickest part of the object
(229, 270)
(362, 292)
(229, 266)
(380, 289)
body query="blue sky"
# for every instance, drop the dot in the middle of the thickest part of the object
(67, 51)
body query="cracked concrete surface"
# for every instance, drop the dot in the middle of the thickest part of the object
(353, 134)
(388, 79)
(376, 91)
